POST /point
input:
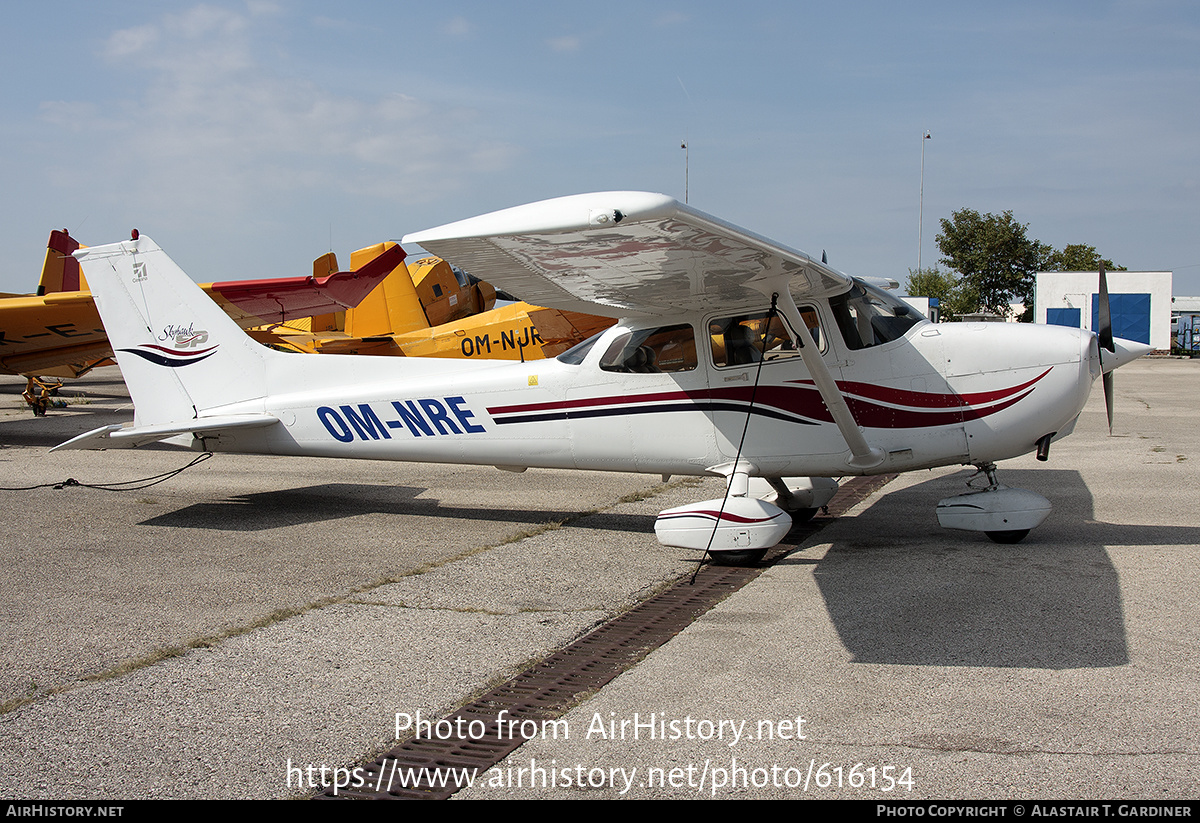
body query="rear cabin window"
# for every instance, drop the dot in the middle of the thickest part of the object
(749, 338)
(652, 351)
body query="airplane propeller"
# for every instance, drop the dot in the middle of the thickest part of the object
(1105, 335)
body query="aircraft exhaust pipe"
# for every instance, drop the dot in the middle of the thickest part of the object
(1043, 446)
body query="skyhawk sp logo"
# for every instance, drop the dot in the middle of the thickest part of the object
(185, 347)
(184, 338)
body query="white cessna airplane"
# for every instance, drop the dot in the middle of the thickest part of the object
(733, 355)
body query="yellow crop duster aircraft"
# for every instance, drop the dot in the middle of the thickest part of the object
(438, 310)
(57, 332)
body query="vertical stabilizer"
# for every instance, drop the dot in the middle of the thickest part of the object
(392, 308)
(60, 271)
(179, 353)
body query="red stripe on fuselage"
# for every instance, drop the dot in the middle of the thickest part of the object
(925, 409)
(904, 397)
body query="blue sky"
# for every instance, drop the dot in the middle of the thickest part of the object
(248, 138)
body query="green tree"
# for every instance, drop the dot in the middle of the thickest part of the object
(953, 299)
(930, 283)
(996, 259)
(1077, 257)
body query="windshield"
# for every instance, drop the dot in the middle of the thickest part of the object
(576, 354)
(868, 316)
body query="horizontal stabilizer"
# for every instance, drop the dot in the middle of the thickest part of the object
(121, 437)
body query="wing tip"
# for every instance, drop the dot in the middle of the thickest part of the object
(573, 212)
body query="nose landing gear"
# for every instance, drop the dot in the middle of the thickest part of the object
(1005, 515)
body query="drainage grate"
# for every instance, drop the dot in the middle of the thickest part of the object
(431, 769)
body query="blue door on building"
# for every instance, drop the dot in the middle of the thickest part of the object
(1130, 316)
(1064, 317)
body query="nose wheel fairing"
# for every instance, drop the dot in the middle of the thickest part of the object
(1004, 514)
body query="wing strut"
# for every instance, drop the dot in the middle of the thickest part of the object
(865, 456)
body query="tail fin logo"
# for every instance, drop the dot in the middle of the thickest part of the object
(185, 347)
(172, 358)
(184, 338)
(139, 272)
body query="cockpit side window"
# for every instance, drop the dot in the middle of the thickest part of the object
(739, 340)
(652, 351)
(869, 317)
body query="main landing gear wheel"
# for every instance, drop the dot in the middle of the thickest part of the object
(1015, 536)
(750, 557)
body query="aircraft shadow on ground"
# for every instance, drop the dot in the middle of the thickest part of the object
(59, 426)
(898, 588)
(901, 590)
(334, 501)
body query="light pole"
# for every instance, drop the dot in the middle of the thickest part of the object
(921, 210)
(684, 146)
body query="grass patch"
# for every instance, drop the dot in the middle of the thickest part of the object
(279, 615)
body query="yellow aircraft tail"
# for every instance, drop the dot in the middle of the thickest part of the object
(60, 271)
(392, 307)
(324, 266)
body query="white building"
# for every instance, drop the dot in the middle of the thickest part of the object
(1139, 302)
(927, 306)
(1185, 324)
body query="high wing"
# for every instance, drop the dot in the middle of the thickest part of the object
(635, 254)
(625, 254)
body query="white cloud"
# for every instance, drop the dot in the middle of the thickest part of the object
(262, 8)
(202, 20)
(566, 43)
(131, 41)
(459, 27)
(214, 125)
(671, 18)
